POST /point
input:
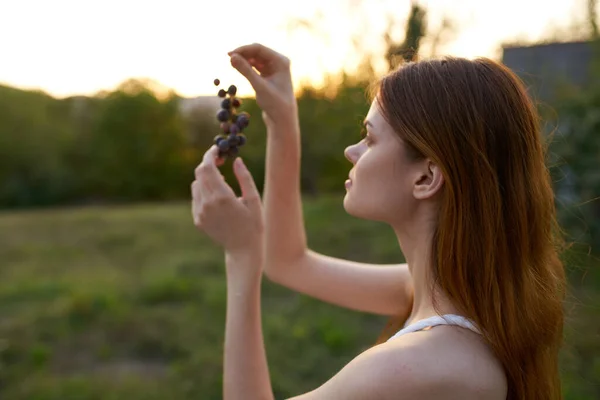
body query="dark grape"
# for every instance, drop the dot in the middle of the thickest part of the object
(226, 104)
(233, 151)
(222, 93)
(243, 120)
(223, 115)
(232, 90)
(225, 126)
(223, 145)
(236, 102)
(219, 138)
(217, 82)
(233, 140)
(241, 139)
(234, 129)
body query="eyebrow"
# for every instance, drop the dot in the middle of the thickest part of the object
(367, 123)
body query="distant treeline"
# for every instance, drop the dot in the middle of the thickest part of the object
(132, 145)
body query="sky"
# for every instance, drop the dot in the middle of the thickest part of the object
(75, 47)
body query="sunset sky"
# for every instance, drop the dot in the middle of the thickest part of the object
(68, 47)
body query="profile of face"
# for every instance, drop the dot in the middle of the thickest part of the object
(385, 184)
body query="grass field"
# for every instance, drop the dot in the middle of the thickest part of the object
(129, 303)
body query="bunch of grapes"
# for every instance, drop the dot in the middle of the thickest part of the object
(232, 122)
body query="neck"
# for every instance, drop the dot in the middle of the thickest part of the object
(415, 241)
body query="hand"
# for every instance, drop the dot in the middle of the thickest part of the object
(273, 82)
(236, 224)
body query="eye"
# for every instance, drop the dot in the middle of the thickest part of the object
(364, 134)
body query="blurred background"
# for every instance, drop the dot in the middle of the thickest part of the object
(107, 291)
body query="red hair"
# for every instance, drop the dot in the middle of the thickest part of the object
(496, 247)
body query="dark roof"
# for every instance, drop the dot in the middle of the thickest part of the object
(544, 66)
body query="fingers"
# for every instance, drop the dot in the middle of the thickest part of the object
(210, 156)
(247, 185)
(261, 54)
(243, 66)
(256, 64)
(212, 182)
(196, 201)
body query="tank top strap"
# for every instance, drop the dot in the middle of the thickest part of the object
(447, 319)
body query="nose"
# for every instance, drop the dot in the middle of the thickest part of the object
(351, 153)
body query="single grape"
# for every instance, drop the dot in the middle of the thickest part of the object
(241, 139)
(223, 145)
(236, 102)
(226, 104)
(225, 127)
(219, 138)
(243, 120)
(217, 82)
(233, 140)
(232, 90)
(223, 115)
(222, 93)
(234, 129)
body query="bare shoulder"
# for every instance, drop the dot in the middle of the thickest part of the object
(442, 363)
(453, 361)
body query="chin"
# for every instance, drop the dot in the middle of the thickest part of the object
(366, 210)
(356, 210)
(348, 206)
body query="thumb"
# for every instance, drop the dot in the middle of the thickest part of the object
(250, 193)
(243, 66)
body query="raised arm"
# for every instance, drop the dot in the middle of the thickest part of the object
(379, 289)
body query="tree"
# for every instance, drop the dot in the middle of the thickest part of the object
(34, 135)
(409, 48)
(137, 146)
(576, 170)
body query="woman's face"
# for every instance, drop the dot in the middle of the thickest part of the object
(382, 178)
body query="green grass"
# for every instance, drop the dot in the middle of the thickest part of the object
(129, 303)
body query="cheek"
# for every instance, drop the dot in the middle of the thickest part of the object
(378, 168)
(392, 195)
(367, 164)
(390, 186)
(378, 178)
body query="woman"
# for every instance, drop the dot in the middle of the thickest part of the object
(453, 160)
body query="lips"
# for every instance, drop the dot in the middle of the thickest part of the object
(348, 182)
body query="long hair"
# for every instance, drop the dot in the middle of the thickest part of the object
(496, 247)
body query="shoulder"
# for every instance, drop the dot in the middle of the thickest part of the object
(442, 363)
(446, 362)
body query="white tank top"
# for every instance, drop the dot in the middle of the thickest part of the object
(446, 319)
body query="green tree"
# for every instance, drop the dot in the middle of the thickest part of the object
(576, 148)
(34, 135)
(138, 147)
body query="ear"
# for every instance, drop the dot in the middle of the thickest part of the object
(429, 181)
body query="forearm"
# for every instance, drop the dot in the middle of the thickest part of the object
(246, 373)
(285, 231)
